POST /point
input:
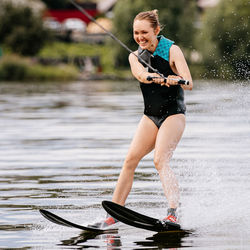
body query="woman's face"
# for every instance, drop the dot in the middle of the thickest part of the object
(145, 35)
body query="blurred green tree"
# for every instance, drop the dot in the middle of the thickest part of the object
(22, 30)
(225, 39)
(177, 17)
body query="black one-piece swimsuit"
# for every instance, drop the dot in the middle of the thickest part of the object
(161, 102)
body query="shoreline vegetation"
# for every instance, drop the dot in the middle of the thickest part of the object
(62, 61)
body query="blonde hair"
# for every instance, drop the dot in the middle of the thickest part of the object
(151, 16)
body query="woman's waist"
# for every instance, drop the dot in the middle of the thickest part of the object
(162, 108)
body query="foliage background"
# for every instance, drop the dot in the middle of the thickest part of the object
(22, 30)
(219, 37)
(224, 40)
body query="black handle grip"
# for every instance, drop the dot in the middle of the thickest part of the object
(180, 81)
(150, 78)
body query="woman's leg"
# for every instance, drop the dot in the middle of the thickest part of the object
(142, 143)
(167, 139)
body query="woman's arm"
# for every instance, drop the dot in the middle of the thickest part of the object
(137, 69)
(179, 66)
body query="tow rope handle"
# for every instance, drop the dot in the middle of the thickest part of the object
(180, 81)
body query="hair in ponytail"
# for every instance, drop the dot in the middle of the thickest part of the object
(151, 16)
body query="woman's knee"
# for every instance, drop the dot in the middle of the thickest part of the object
(161, 162)
(131, 161)
(158, 164)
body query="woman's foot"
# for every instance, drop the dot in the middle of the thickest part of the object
(106, 223)
(170, 218)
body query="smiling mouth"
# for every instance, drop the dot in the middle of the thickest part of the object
(143, 43)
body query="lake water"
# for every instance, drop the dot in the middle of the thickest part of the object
(63, 145)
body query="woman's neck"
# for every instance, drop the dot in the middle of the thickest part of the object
(153, 45)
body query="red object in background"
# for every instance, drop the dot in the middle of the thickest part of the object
(61, 15)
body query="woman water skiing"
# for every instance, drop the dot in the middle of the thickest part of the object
(163, 122)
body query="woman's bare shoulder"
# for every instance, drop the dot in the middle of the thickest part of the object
(133, 56)
(175, 53)
(175, 49)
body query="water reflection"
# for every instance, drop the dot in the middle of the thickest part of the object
(160, 240)
(166, 240)
(112, 240)
(62, 147)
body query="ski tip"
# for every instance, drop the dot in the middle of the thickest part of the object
(47, 214)
(106, 202)
(43, 211)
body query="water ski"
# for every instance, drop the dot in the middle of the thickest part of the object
(60, 221)
(136, 219)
